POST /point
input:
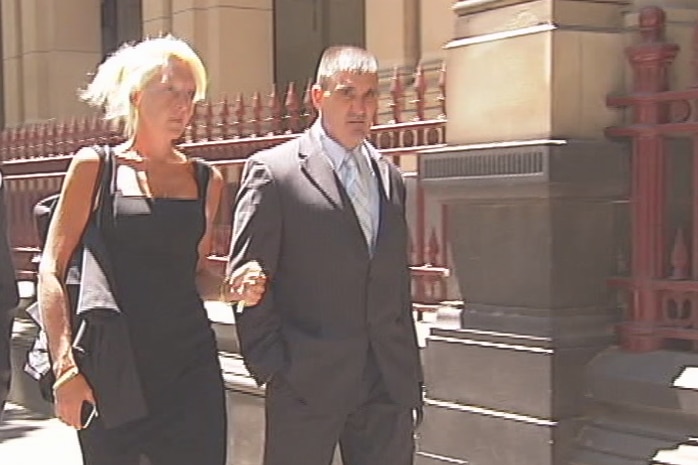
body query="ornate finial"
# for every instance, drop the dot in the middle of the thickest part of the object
(194, 123)
(396, 92)
(420, 88)
(433, 249)
(679, 257)
(310, 112)
(224, 123)
(274, 112)
(652, 24)
(208, 120)
(292, 109)
(257, 113)
(652, 56)
(4, 145)
(240, 115)
(442, 90)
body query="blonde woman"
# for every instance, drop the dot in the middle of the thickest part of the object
(157, 243)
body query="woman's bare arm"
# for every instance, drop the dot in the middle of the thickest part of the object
(247, 282)
(64, 233)
(208, 281)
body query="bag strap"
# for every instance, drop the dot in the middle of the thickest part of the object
(202, 171)
(105, 186)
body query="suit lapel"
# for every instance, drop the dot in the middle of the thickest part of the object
(391, 209)
(319, 170)
(383, 169)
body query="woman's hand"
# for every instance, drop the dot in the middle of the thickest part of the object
(69, 398)
(247, 284)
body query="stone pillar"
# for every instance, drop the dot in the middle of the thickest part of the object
(49, 48)
(532, 188)
(2, 73)
(392, 32)
(129, 20)
(435, 28)
(234, 38)
(157, 17)
(13, 94)
(542, 69)
(240, 47)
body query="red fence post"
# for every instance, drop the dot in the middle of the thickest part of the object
(694, 231)
(650, 60)
(397, 93)
(420, 89)
(208, 121)
(194, 124)
(224, 123)
(240, 115)
(257, 114)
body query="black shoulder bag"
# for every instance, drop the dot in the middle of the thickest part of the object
(38, 364)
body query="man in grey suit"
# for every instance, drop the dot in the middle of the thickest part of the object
(333, 337)
(8, 301)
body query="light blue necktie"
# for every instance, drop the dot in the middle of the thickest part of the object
(354, 174)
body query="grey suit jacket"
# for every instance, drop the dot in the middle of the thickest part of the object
(8, 285)
(328, 300)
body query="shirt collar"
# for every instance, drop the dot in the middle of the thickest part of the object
(333, 149)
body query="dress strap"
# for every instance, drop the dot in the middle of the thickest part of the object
(203, 174)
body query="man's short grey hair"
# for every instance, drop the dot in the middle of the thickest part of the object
(344, 58)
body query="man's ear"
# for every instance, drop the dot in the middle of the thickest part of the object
(317, 94)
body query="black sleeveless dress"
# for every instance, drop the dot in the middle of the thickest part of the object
(152, 244)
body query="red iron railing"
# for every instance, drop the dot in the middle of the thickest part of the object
(36, 157)
(660, 293)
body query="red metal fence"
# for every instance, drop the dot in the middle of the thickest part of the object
(661, 289)
(36, 157)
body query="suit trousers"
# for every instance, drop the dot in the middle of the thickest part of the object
(6, 319)
(371, 429)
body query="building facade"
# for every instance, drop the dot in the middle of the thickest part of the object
(49, 47)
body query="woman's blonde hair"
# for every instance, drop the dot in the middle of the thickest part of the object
(129, 68)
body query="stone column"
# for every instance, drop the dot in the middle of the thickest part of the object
(233, 37)
(240, 47)
(49, 49)
(392, 32)
(533, 190)
(12, 94)
(435, 28)
(157, 17)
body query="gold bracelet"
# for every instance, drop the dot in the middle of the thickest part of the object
(65, 377)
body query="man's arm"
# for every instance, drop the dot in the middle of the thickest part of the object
(403, 197)
(257, 226)
(418, 412)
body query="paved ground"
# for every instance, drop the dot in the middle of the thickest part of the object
(30, 438)
(27, 438)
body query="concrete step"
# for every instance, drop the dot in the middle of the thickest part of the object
(31, 438)
(683, 454)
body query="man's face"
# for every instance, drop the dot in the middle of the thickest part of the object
(347, 106)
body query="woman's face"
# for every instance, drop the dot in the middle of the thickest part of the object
(166, 102)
